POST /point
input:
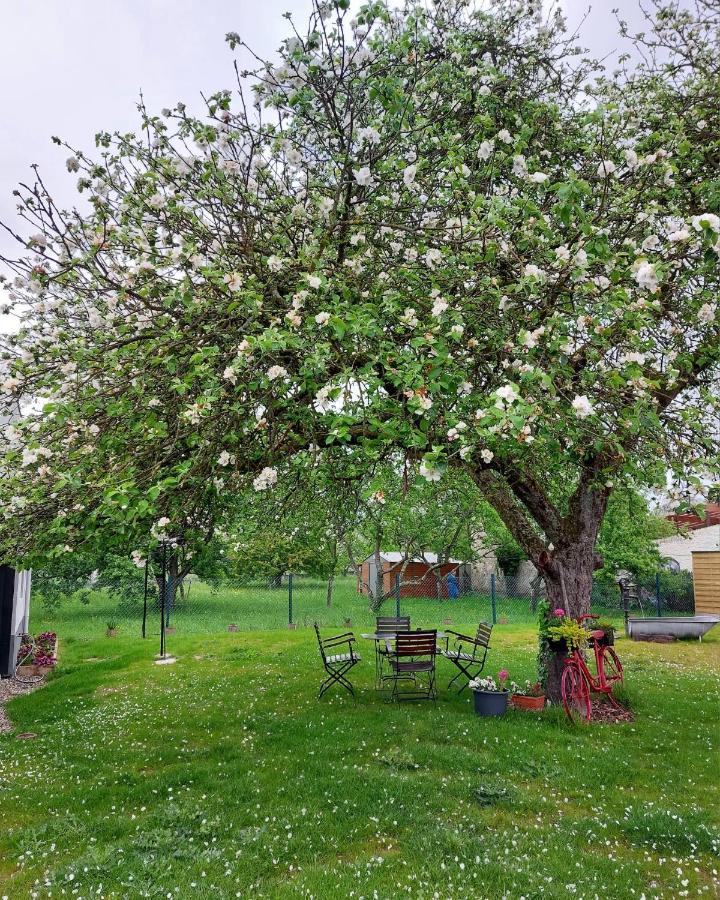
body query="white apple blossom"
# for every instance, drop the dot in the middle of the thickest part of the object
(519, 166)
(432, 257)
(562, 253)
(275, 372)
(706, 314)
(409, 174)
(325, 206)
(487, 456)
(322, 318)
(275, 263)
(682, 234)
(533, 271)
(506, 394)
(646, 277)
(363, 176)
(706, 220)
(651, 243)
(485, 150)
(266, 479)
(606, 168)
(234, 281)
(368, 135)
(138, 559)
(429, 472)
(538, 177)
(229, 374)
(504, 136)
(582, 407)
(72, 164)
(314, 281)
(631, 159)
(225, 458)
(439, 306)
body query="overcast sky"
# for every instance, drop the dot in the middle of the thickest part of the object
(75, 67)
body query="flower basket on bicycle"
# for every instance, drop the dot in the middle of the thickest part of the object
(608, 636)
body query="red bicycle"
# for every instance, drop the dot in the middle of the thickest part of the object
(578, 682)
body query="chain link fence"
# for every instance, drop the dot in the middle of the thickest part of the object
(297, 601)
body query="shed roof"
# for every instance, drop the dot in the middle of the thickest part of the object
(394, 556)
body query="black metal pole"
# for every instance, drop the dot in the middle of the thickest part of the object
(290, 599)
(162, 602)
(144, 624)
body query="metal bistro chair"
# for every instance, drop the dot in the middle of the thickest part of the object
(389, 627)
(414, 655)
(337, 664)
(468, 653)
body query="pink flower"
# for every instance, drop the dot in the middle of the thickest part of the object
(558, 612)
(503, 675)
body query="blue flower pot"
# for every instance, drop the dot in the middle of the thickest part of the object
(491, 703)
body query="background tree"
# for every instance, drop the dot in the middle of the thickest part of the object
(431, 230)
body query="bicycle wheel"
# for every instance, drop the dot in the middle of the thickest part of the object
(612, 667)
(575, 695)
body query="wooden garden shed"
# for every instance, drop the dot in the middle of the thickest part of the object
(420, 577)
(706, 580)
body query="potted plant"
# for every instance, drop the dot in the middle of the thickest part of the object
(37, 656)
(532, 696)
(490, 696)
(566, 635)
(111, 629)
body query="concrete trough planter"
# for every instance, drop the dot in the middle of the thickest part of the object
(671, 626)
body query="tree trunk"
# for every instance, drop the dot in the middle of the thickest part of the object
(568, 581)
(330, 583)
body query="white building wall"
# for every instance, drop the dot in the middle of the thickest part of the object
(680, 547)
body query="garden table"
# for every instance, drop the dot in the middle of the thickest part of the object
(387, 638)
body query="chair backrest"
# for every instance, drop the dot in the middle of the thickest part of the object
(483, 634)
(416, 643)
(391, 625)
(319, 640)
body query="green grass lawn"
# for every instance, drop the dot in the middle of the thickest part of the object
(253, 604)
(223, 776)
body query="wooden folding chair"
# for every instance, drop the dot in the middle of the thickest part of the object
(468, 653)
(389, 627)
(412, 656)
(337, 664)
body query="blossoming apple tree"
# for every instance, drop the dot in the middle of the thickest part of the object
(439, 233)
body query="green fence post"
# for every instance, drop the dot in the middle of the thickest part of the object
(397, 596)
(658, 599)
(493, 598)
(290, 599)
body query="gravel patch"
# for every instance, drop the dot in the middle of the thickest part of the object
(9, 688)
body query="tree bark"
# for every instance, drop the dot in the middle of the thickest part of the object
(331, 580)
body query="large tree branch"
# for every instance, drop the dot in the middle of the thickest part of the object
(497, 492)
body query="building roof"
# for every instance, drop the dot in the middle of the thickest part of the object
(394, 556)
